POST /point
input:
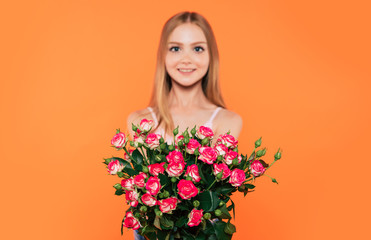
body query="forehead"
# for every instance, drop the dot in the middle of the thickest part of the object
(187, 33)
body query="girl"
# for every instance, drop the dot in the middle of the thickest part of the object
(186, 90)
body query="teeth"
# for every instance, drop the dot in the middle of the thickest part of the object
(185, 70)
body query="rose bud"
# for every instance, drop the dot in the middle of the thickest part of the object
(131, 222)
(186, 189)
(237, 177)
(229, 228)
(193, 131)
(173, 179)
(260, 153)
(277, 156)
(218, 212)
(204, 132)
(221, 203)
(158, 212)
(146, 125)
(176, 131)
(258, 142)
(153, 185)
(119, 140)
(134, 128)
(166, 194)
(149, 200)
(205, 141)
(117, 186)
(145, 169)
(196, 203)
(186, 140)
(257, 168)
(195, 217)
(143, 209)
(114, 167)
(207, 216)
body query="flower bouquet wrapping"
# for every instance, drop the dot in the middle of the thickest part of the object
(183, 190)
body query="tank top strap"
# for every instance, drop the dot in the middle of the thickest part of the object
(153, 115)
(209, 123)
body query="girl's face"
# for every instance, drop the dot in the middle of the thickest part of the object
(187, 57)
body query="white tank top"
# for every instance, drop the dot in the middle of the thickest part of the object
(169, 139)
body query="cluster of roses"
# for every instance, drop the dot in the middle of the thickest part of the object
(144, 188)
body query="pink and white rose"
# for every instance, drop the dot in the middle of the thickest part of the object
(153, 140)
(139, 180)
(119, 140)
(149, 200)
(222, 167)
(186, 189)
(114, 167)
(146, 125)
(221, 149)
(204, 132)
(138, 140)
(168, 204)
(228, 140)
(192, 171)
(132, 198)
(153, 185)
(230, 156)
(175, 156)
(128, 184)
(156, 168)
(237, 177)
(130, 221)
(192, 145)
(257, 168)
(178, 139)
(208, 155)
(195, 217)
(175, 169)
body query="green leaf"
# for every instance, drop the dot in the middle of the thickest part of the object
(229, 228)
(225, 189)
(181, 221)
(156, 222)
(252, 156)
(231, 207)
(137, 156)
(249, 186)
(219, 230)
(225, 212)
(209, 201)
(201, 236)
(119, 192)
(166, 222)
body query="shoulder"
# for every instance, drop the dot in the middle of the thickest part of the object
(229, 121)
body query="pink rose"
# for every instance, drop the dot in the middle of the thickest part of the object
(186, 189)
(149, 200)
(208, 155)
(204, 132)
(192, 145)
(178, 139)
(146, 125)
(257, 168)
(128, 184)
(153, 185)
(114, 167)
(153, 140)
(139, 180)
(237, 177)
(126, 156)
(175, 169)
(222, 167)
(192, 171)
(175, 156)
(195, 217)
(156, 168)
(230, 156)
(119, 140)
(168, 204)
(132, 197)
(138, 140)
(228, 140)
(221, 149)
(131, 222)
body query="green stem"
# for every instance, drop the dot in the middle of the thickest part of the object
(146, 160)
(131, 157)
(270, 165)
(244, 167)
(196, 159)
(211, 185)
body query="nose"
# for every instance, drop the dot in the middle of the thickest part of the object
(186, 58)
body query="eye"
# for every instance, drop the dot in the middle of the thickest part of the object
(174, 49)
(199, 49)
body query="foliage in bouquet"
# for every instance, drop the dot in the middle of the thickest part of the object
(183, 190)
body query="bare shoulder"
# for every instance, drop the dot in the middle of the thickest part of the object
(229, 121)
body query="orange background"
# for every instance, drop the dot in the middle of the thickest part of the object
(298, 72)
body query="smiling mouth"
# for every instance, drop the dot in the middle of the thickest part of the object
(186, 70)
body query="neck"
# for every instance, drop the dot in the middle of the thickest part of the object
(190, 97)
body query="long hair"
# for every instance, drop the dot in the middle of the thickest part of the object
(162, 83)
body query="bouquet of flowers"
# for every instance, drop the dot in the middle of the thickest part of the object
(183, 190)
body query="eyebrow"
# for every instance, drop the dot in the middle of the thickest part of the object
(179, 43)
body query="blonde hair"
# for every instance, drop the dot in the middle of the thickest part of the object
(162, 84)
